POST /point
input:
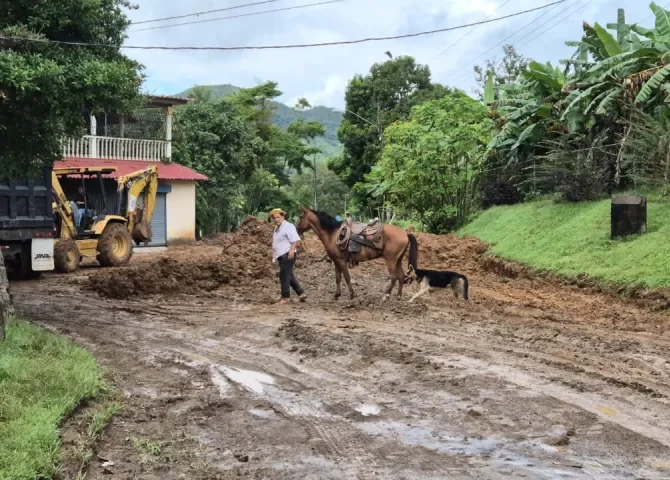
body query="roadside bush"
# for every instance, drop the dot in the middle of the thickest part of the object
(499, 190)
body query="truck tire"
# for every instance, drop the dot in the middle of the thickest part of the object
(26, 271)
(115, 246)
(66, 256)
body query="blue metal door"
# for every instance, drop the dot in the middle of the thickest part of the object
(158, 221)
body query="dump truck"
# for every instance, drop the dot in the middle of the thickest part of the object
(27, 225)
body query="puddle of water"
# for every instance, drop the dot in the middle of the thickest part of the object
(211, 343)
(418, 436)
(259, 412)
(220, 381)
(249, 379)
(367, 410)
(502, 453)
(141, 392)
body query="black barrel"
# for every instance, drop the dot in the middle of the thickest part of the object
(628, 215)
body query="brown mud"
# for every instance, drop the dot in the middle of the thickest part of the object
(536, 378)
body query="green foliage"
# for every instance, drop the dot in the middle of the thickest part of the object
(283, 116)
(214, 140)
(246, 156)
(43, 378)
(508, 70)
(573, 126)
(573, 238)
(45, 88)
(431, 163)
(373, 102)
(647, 150)
(329, 187)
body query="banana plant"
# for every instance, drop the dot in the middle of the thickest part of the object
(526, 112)
(610, 67)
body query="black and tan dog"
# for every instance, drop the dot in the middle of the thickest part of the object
(429, 279)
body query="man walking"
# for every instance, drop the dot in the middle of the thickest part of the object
(284, 243)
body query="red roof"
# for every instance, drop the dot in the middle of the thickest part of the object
(166, 171)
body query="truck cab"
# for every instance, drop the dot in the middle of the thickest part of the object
(27, 225)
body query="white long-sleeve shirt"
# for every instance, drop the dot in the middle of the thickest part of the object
(285, 235)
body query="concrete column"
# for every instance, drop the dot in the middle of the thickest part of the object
(168, 132)
(93, 141)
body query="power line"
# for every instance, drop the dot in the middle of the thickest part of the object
(197, 14)
(649, 16)
(268, 47)
(463, 74)
(295, 7)
(502, 42)
(557, 23)
(468, 33)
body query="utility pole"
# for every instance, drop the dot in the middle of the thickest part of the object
(379, 128)
(377, 125)
(345, 203)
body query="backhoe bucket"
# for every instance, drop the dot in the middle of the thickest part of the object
(142, 233)
(142, 230)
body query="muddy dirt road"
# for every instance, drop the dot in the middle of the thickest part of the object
(531, 380)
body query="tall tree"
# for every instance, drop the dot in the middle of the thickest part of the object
(45, 87)
(432, 162)
(330, 187)
(308, 131)
(276, 149)
(373, 102)
(215, 139)
(506, 71)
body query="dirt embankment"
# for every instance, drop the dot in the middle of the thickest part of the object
(245, 260)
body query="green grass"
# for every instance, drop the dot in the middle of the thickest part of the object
(571, 239)
(43, 378)
(101, 418)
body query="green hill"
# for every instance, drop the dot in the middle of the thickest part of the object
(573, 238)
(284, 116)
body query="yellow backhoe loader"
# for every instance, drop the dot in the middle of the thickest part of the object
(106, 235)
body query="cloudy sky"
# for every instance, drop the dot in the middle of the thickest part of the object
(320, 74)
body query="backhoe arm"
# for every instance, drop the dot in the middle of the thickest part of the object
(134, 184)
(63, 208)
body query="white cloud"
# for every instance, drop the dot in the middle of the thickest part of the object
(321, 74)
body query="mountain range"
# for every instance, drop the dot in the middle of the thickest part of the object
(285, 115)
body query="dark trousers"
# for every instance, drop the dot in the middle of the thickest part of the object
(286, 276)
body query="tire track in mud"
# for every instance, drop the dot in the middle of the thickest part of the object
(625, 420)
(560, 344)
(337, 437)
(341, 442)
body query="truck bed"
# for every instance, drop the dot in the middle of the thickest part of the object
(25, 207)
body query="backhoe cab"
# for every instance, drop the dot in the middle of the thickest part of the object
(106, 234)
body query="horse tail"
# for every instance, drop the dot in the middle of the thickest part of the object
(465, 288)
(413, 252)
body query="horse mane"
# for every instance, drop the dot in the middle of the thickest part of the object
(327, 221)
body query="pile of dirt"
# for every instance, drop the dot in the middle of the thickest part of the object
(246, 256)
(450, 252)
(250, 229)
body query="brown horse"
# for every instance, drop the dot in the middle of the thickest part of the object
(396, 243)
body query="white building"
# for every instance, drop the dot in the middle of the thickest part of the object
(133, 143)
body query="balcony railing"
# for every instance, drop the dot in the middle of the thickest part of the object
(91, 146)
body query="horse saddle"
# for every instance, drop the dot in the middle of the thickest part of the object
(352, 237)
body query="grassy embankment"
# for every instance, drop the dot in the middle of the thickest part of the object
(570, 239)
(43, 378)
